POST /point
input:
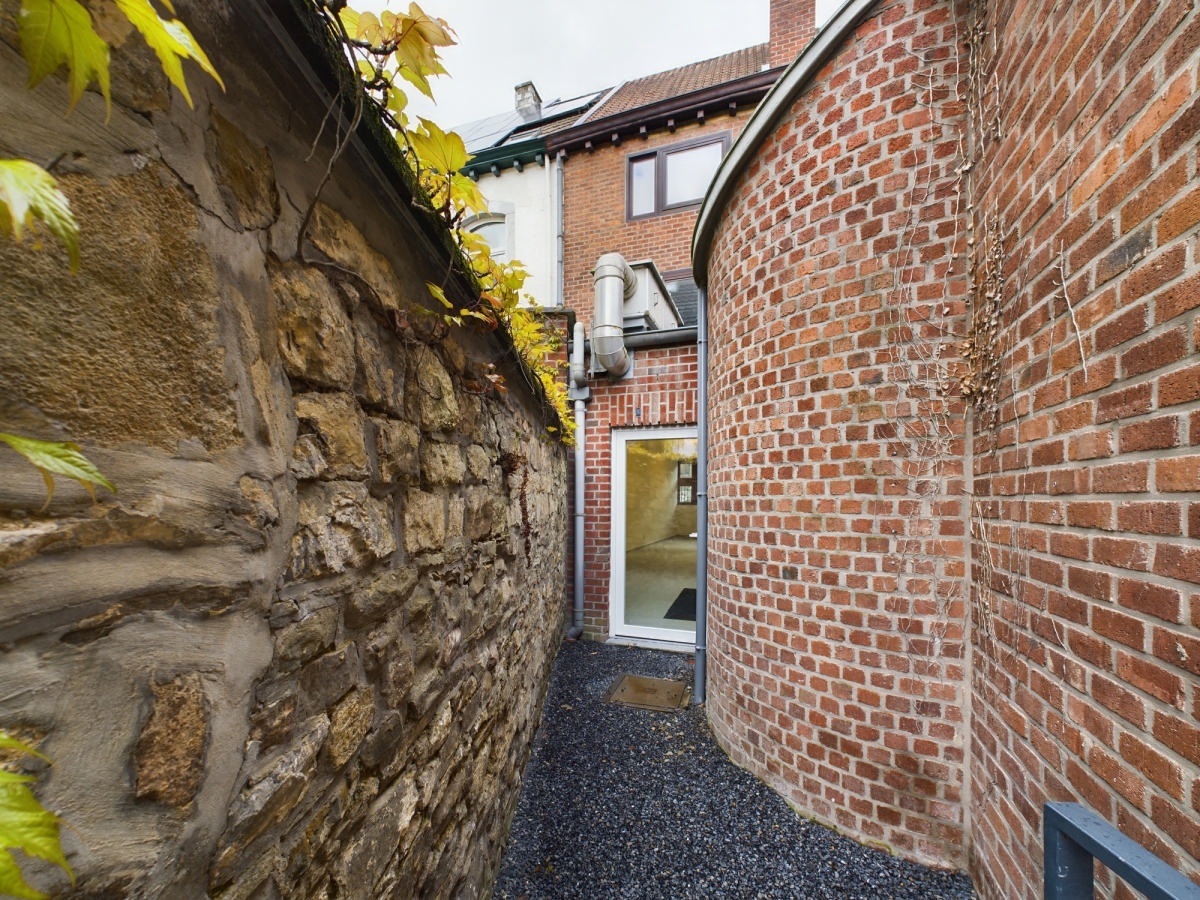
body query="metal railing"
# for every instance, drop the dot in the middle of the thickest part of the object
(1075, 836)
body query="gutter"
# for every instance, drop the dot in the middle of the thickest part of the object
(700, 688)
(728, 95)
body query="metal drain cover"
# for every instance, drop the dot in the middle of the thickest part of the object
(648, 693)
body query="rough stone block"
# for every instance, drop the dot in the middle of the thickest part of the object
(381, 838)
(169, 756)
(479, 517)
(380, 378)
(244, 174)
(340, 526)
(306, 638)
(424, 521)
(349, 724)
(442, 464)
(315, 337)
(479, 463)
(436, 403)
(396, 450)
(277, 786)
(336, 441)
(338, 239)
(372, 603)
(328, 678)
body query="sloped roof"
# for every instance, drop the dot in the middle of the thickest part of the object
(511, 127)
(684, 80)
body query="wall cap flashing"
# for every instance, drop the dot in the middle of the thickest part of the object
(774, 106)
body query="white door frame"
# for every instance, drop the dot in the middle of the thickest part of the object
(616, 537)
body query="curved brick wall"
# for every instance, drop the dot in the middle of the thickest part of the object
(837, 553)
(1087, 660)
(996, 204)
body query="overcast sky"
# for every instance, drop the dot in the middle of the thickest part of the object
(567, 48)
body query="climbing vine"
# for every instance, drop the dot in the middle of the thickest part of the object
(391, 54)
(55, 34)
(63, 33)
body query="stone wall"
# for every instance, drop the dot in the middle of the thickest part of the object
(302, 651)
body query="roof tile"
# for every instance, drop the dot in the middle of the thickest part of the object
(684, 80)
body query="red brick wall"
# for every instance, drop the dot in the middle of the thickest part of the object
(793, 23)
(594, 220)
(1086, 472)
(661, 390)
(998, 204)
(837, 540)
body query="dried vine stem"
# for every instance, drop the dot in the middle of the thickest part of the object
(926, 429)
(1062, 281)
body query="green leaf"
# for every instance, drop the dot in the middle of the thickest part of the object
(27, 826)
(12, 881)
(58, 458)
(27, 191)
(439, 294)
(54, 32)
(7, 742)
(171, 40)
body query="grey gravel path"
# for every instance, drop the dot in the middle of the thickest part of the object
(621, 802)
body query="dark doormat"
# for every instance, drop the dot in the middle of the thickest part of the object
(648, 693)
(684, 606)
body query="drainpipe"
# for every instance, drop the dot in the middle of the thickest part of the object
(579, 392)
(559, 299)
(615, 283)
(700, 690)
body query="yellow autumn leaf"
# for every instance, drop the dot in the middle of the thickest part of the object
(170, 40)
(55, 33)
(28, 192)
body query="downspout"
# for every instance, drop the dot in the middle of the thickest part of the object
(615, 283)
(699, 691)
(579, 392)
(559, 299)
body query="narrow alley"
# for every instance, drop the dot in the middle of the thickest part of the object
(623, 802)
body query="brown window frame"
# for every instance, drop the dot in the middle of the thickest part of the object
(659, 155)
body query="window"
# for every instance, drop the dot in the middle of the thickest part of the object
(685, 483)
(673, 177)
(493, 228)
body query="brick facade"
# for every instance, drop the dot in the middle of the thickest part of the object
(953, 490)
(1085, 598)
(594, 219)
(837, 548)
(661, 391)
(793, 23)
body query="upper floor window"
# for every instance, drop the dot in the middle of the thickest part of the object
(493, 228)
(673, 177)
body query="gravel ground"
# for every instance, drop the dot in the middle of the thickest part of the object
(630, 803)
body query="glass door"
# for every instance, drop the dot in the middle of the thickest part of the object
(653, 589)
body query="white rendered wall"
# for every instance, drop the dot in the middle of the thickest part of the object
(528, 199)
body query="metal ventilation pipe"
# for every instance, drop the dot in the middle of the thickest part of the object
(615, 283)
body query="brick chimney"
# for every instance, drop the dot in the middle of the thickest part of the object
(793, 24)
